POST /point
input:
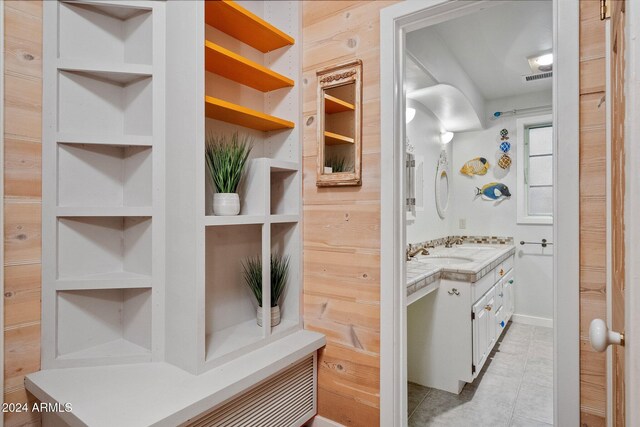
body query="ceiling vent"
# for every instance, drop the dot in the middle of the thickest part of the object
(538, 76)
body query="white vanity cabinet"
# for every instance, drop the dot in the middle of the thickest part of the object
(462, 322)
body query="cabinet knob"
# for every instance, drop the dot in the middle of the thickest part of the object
(511, 282)
(453, 291)
(501, 294)
(501, 272)
(488, 307)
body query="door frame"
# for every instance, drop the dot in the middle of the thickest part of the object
(632, 201)
(395, 21)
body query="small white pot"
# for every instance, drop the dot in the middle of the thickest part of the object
(226, 204)
(275, 315)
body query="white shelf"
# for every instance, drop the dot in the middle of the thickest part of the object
(212, 220)
(283, 166)
(92, 139)
(119, 348)
(98, 211)
(233, 338)
(115, 280)
(283, 219)
(285, 327)
(122, 74)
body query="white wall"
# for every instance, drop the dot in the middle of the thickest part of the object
(424, 134)
(534, 265)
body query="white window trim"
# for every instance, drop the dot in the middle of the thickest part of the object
(521, 195)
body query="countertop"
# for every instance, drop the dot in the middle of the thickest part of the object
(476, 261)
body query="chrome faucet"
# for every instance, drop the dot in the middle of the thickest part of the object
(411, 252)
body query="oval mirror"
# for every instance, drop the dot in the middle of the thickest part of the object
(442, 185)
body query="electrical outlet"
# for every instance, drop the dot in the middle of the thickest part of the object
(462, 223)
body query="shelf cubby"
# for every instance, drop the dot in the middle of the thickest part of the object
(229, 112)
(91, 105)
(285, 241)
(103, 248)
(242, 70)
(236, 21)
(93, 139)
(333, 105)
(285, 185)
(230, 306)
(117, 34)
(109, 176)
(331, 138)
(106, 324)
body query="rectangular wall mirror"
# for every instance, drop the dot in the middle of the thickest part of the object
(340, 125)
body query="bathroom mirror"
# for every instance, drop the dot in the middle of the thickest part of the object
(442, 185)
(340, 125)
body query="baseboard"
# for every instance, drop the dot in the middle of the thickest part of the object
(532, 320)
(319, 421)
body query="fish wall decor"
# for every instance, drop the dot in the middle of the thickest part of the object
(477, 166)
(493, 191)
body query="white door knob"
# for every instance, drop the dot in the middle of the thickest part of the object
(601, 337)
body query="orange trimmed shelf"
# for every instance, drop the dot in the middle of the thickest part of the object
(232, 113)
(336, 105)
(236, 21)
(331, 138)
(234, 67)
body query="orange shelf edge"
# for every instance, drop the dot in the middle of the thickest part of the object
(235, 67)
(236, 21)
(242, 116)
(331, 138)
(336, 105)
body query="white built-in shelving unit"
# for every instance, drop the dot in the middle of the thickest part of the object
(241, 72)
(103, 183)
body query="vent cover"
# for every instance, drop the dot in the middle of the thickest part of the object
(538, 76)
(284, 400)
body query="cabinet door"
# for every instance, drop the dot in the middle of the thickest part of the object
(480, 333)
(492, 324)
(508, 298)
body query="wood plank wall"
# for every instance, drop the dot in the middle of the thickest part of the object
(22, 175)
(593, 211)
(342, 225)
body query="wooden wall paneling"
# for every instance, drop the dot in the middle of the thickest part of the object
(593, 211)
(342, 225)
(22, 179)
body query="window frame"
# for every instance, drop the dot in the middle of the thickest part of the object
(522, 195)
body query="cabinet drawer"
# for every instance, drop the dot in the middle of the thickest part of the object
(503, 268)
(479, 288)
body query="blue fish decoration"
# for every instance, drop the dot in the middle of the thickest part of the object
(493, 191)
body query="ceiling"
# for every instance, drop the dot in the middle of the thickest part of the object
(492, 45)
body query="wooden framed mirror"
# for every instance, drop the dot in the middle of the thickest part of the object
(340, 125)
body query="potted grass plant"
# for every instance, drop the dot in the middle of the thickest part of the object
(226, 161)
(337, 164)
(279, 274)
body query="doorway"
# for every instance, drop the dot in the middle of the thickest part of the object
(397, 24)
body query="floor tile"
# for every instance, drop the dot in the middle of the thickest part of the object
(543, 334)
(541, 349)
(523, 422)
(416, 394)
(535, 402)
(539, 371)
(506, 365)
(441, 408)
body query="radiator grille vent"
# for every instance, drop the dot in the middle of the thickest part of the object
(278, 401)
(539, 76)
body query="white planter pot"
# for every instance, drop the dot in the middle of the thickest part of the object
(275, 315)
(226, 204)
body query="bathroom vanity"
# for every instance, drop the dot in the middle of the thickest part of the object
(464, 299)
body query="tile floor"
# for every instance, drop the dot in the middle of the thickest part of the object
(514, 388)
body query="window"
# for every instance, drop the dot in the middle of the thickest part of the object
(535, 170)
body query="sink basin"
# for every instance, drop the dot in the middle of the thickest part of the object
(445, 260)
